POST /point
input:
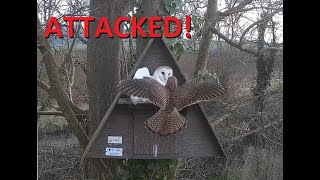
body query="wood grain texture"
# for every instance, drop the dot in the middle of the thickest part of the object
(198, 139)
(145, 141)
(120, 123)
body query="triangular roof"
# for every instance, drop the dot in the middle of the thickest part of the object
(131, 74)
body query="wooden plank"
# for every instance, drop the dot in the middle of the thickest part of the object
(120, 123)
(159, 156)
(198, 140)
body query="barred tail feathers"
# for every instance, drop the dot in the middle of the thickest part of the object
(166, 123)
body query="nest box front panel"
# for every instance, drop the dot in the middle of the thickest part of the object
(146, 144)
(127, 122)
(116, 138)
(198, 139)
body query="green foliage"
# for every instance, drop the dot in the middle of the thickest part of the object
(209, 77)
(170, 6)
(176, 46)
(196, 22)
(275, 86)
(147, 169)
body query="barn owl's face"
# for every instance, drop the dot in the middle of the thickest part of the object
(163, 73)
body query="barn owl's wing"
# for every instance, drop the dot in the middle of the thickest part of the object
(194, 91)
(146, 88)
(141, 73)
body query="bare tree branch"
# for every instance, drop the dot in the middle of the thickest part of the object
(56, 87)
(62, 99)
(48, 104)
(75, 108)
(220, 15)
(221, 119)
(255, 131)
(68, 57)
(43, 86)
(236, 45)
(55, 113)
(82, 39)
(233, 10)
(257, 22)
(223, 14)
(271, 48)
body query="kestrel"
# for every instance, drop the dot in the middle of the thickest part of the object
(171, 99)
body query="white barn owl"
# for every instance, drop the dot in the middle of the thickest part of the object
(161, 74)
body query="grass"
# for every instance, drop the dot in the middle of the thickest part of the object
(51, 124)
(258, 164)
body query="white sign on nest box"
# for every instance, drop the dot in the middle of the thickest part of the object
(115, 139)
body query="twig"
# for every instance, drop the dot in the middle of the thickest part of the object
(56, 113)
(76, 109)
(57, 169)
(257, 22)
(255, 131)
(43, 86)
(224, 117)
(265, 136)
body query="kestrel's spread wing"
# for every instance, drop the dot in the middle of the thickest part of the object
(146, 88)
(195, 91)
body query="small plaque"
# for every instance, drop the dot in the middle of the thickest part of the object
(113, 151)
(114, 139)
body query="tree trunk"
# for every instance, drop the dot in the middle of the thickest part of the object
(148, 8)
(202, 59)
(103, 68)
(264, 65)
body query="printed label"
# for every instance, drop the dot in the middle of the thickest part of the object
(115, 139)
(113, 151)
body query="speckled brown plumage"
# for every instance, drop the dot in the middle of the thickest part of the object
(171, 99)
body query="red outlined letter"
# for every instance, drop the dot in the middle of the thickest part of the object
(188, 26)
(153, 26)
(107, 30)
(138, 27)
(167, 33)
(70, 21)
(49, 30)
(117, 27)
(86, 24)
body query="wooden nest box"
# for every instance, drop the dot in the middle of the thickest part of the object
(121, 133)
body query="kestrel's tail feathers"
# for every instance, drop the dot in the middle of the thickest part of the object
(165, 123)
